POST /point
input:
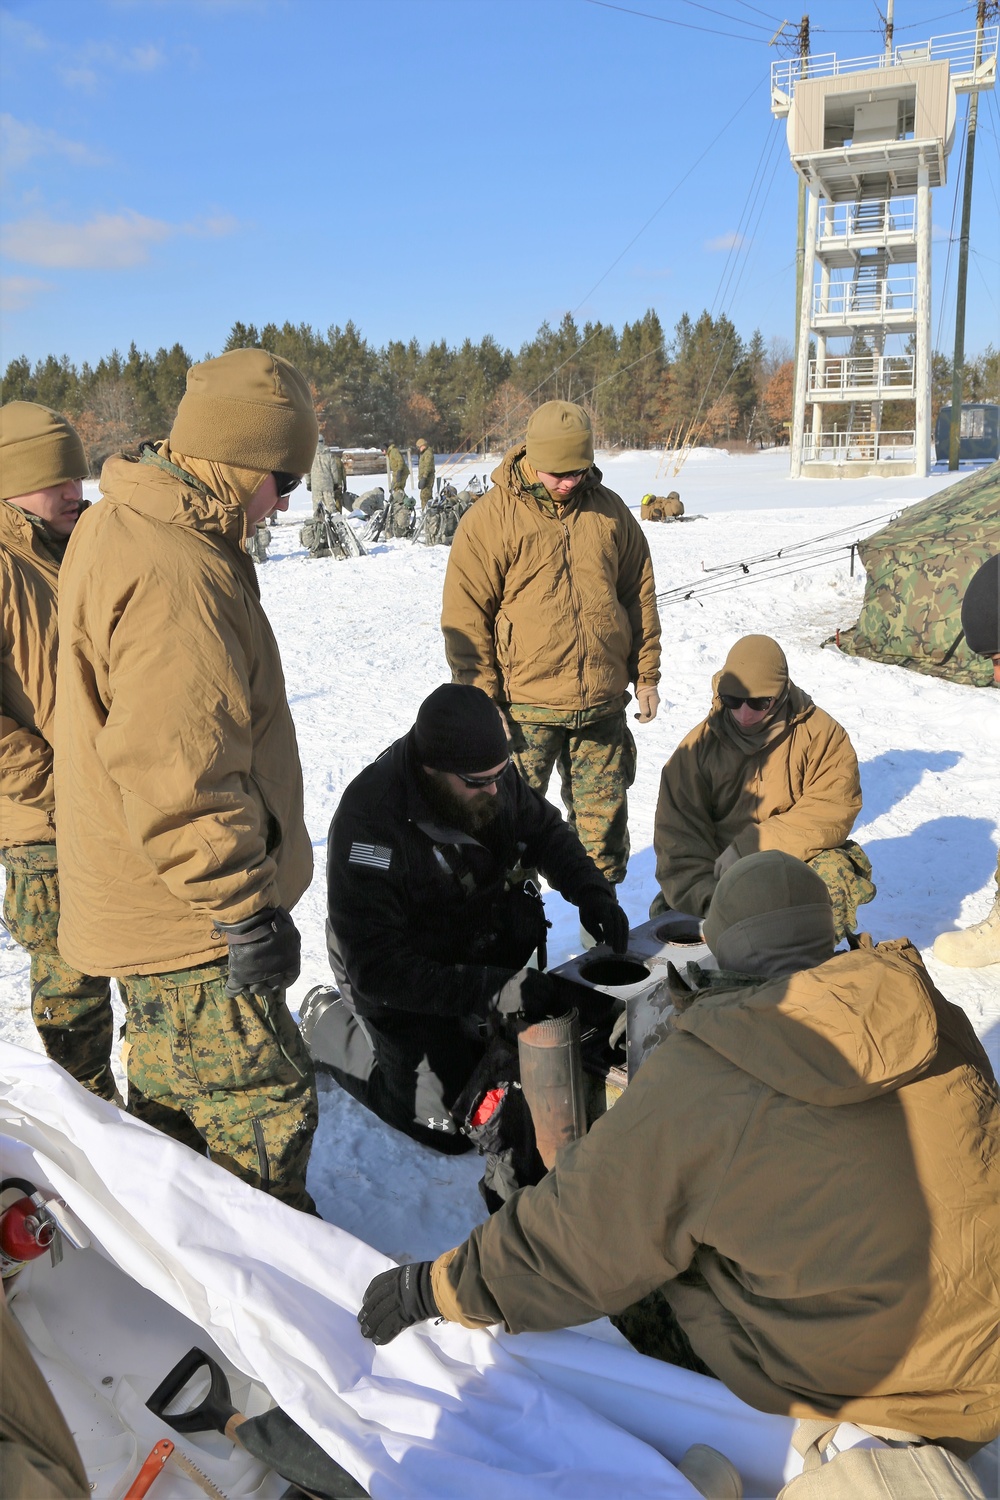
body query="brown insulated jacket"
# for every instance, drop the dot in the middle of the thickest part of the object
(177, 770)
(29, 643)
(800, 794)
(551, 608)
(810, 1169)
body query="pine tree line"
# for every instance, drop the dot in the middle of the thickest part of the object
(705, 385)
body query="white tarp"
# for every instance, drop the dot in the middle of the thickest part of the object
(440, 1414)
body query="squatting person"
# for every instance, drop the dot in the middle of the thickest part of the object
(799, 1192)
(549, 606)
(182, 844)
(431, 922)
(766, 770)
(42, 464)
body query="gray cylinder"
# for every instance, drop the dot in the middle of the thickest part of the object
(552, 1082)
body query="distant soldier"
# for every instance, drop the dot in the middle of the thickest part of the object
(327, 480)
(397, 469)
(425, 472)
(767, 769)
(662, 507)
(257, 542)
(550, 607)
(41, 499)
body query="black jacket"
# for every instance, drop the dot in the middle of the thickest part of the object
(415, 908)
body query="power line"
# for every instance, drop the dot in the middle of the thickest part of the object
(685, 25)
(697, 5)
(775, 20)
(677, 185)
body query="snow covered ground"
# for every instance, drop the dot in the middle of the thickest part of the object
(361, 646)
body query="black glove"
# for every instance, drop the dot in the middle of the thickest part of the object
(264, 951)
(604, 919)
(396, 1300)
(535, 995)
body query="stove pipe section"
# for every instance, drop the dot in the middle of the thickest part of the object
(552, 1082)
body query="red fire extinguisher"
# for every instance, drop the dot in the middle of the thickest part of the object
(27, 1229)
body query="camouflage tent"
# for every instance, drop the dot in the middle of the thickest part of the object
(918, 568)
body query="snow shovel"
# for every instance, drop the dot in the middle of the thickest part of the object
(273, 1437)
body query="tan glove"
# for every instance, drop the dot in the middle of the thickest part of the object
(725, 861)
(648, 700)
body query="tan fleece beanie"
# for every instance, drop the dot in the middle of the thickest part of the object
(560, 438)
(755, 668)
(770, 914)
(250, 409)
(38, 449)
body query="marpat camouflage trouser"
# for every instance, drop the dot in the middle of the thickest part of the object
(426, 496)
(72, 1011)
(596, 768)
(232, 1074)
(847, 874)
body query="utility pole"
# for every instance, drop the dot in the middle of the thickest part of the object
(958, 364)
(887, 21)
(800, 243)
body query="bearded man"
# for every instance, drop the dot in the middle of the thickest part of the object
(431, 921)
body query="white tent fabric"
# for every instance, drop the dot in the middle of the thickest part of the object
(440, 1414)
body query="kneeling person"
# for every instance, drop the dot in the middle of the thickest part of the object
(430, 924)
(804, 1175)
(766, 770)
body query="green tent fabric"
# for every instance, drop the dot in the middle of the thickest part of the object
(918, 569)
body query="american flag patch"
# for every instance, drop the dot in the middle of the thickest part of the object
(376, 856)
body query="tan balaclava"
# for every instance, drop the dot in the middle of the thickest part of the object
(559, 438)
(38, 449)
(243, 416)
(755, 668)
(771, 915)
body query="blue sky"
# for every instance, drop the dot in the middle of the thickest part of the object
(427, 168)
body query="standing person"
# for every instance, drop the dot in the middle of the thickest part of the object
(396, 468)
(549, 606)
(767, 769)
(182, 844)
(431, 921)
(327, 480)
(798, 1194)
(425, 472)
(979, 945)
(42, 464)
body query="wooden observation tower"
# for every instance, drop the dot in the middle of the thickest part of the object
(870, 137)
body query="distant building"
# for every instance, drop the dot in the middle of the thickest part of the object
(870, 138)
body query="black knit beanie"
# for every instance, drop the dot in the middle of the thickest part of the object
(981, 609)
(458, 728)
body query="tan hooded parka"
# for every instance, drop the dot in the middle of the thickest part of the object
(800, 793)
(29, 642)
(810, 1169)
(549, 606)
(177, 770)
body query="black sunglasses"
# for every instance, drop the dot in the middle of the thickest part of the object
(284, 483)
(732, 700)
(481, 782)
(573, 473)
